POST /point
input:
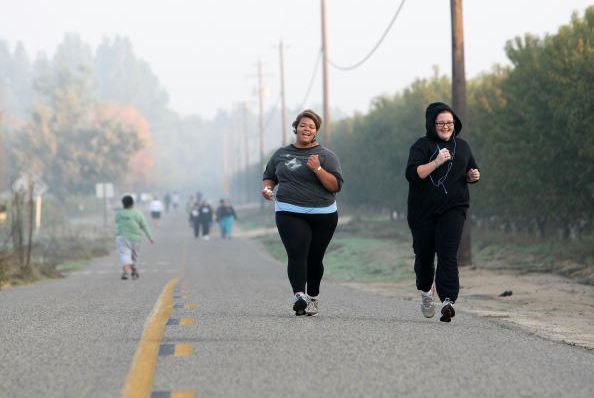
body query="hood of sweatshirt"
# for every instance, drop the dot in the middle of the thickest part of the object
(431, 113)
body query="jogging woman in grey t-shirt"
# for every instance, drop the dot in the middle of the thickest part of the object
(306, 176)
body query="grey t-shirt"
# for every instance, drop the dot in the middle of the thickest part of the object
(297, 184)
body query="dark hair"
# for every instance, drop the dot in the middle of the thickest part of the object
(317, 119)
(128, 201)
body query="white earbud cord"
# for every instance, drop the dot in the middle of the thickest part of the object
(441, 181)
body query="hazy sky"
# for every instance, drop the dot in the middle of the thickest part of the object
(205, 51)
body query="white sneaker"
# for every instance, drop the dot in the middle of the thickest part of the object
(312, 307)
(427, 304)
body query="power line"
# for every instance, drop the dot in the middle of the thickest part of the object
(356, 65)
(311, 80)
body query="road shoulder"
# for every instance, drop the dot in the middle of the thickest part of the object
(546, 305)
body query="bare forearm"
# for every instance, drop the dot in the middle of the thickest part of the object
(425, 169)
(328, 180)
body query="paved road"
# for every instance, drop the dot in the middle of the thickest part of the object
(77, 337)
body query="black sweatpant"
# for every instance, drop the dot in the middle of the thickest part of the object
(204, 225)
(439, 235)
(306, 237)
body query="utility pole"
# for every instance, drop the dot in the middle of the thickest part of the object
(327, 131)
(459, 105)
(261, 112)
(3, 165)
(261, 123)
(458, 73)
(282, 93)
(246, 148)
(226, 162)
(234, 155)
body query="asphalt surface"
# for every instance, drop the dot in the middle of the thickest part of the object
(76, 337)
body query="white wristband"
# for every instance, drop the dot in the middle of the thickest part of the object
(318, 169)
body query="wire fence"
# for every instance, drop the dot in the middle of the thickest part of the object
(36, 236)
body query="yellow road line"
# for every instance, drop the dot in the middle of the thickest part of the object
(187, 322)
(183, 394)
(139, 382)
(183, 350)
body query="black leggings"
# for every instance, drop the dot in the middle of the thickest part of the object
(440, 235)
(306, 237)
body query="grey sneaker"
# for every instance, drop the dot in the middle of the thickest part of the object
(427, 304)
(312, 307)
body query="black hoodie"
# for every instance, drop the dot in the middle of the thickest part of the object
(446, 188)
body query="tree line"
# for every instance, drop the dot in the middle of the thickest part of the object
(63, 118)
(89, 115)
(530, 124)
(84, 116)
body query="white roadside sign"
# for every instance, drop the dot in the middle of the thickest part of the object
(104, 189)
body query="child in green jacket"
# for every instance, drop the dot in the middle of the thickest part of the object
(130, 224)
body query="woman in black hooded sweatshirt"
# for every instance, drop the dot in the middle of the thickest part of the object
(440, 167)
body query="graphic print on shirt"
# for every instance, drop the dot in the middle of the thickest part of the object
(293, 164)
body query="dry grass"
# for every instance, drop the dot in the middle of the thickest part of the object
(47, 254)
(376, 248)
